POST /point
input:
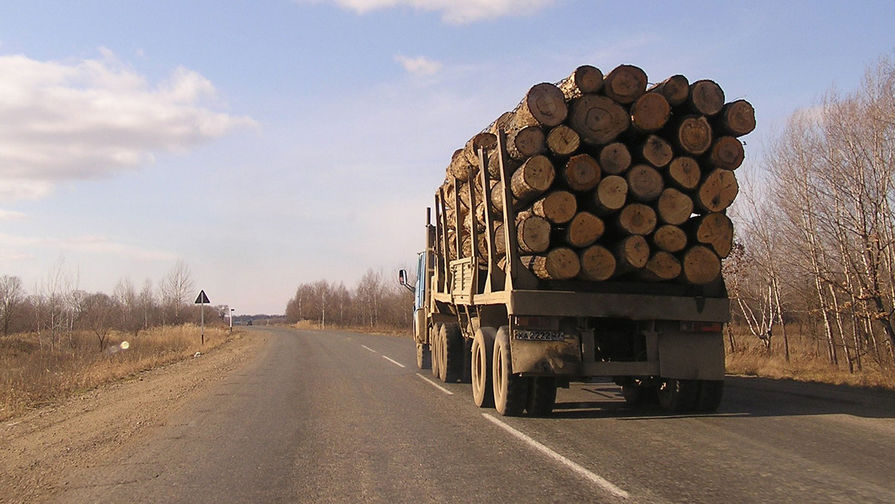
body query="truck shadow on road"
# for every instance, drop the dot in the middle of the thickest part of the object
(743, 397)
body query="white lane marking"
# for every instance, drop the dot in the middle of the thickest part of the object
(439, 387)
(368, 348)
(393, 361)
(593, 477)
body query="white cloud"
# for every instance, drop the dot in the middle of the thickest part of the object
(453, 11)
(419, 66)
(95, 117)
(88, 244)
(10, 215)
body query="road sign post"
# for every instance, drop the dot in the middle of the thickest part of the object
(202, 300)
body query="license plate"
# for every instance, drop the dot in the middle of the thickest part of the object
(538, 335)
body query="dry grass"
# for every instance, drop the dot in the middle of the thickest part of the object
(32, 375)
(804, 365)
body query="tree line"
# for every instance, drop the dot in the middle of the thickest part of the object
(815, 251)
(374, 302)
(57, 307)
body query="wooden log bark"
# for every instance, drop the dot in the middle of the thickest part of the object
(706, 97)
(661, 266)
(727, 152)
(558, 207)
(692, 134)
(597, 263)
(700, 265)
(543, 105)
(581, 173)
(717, 191)
(597, 119)
(502, 123)
(625, 83)
(561, 263)
(669, 238)
(494, 164)
(585, 79)
(584, 229)
(631, 253)
(533, 233)
(479, 141)
(526, 141)
(737, 118)
(562, 141)
(500, 244)
(650, 113)
(684, 173)
(675, 89)
(459, 167)
(655, 151)
(611, 194)
(615, 158)
(644, 183)
(674, 207)
(716, 231)
(532, 178)
(636, 219)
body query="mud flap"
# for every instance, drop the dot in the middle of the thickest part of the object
(691, 356)
(547, 357)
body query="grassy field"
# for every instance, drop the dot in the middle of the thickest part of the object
(33, 374)
(805, 364)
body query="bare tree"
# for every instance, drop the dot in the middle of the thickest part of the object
(11, 295)
(99, 316)
(177, 287)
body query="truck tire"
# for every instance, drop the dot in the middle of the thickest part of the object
(541, 396)
(637, 394)
(451, 353)
(710, 393)
(510, 390)
(678, 396)
(482, 355)
(436, 358)
(423, 356)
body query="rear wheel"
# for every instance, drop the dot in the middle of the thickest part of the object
(482, 355)
(677, 395)
(435, 354)
(450, 353)
(423, 356)
(541, 396)
(510, 390)
(710, 393)
(637, 394)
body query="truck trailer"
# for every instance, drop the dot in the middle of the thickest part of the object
(487, 320)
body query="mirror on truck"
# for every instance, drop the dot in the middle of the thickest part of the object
(402, 279)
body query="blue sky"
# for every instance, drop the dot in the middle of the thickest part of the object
(271, 143)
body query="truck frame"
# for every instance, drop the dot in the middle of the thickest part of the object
(516, 338)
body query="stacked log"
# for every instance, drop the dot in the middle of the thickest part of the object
(609, 179)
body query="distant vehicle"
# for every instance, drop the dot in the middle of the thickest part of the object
(489, 321)
(249, 322)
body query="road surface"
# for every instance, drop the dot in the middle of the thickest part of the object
(346, 417)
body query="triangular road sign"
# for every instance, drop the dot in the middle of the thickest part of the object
(202, 298)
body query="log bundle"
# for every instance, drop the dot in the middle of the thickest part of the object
(607, 178)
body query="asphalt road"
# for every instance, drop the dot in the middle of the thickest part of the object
(344, 417)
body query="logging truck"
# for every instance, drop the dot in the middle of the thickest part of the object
(517, 337)
(581, 235)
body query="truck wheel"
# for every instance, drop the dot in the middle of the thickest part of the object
(510, 390)
(423, 356)
(637, 394)
(452, 354)
(541, 396)
(710, 392)
(436, 358)
(678, 396)
(482, 355)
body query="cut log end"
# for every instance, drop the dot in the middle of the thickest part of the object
(670, 238)
(585, 79)
(727, 153)
(706, 97)
(625, 83)
(684, 173)
(532, 178)
(584, 229)
(674, 207)
(650, 112)
(637, 219)
(597, 119)
(700, 265)
(644, 183)
(717, 191)
(694, 135)
(557, 207)
(597, 263)
(533, 234)
(662, 266)
(675, 89)
(563, 141)
(582, 173)
(738, 118)
(546, 104)
(632, 253)
(716, 231)
(656, 151)
(611, 194)
(615, 158)
(560, 263)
